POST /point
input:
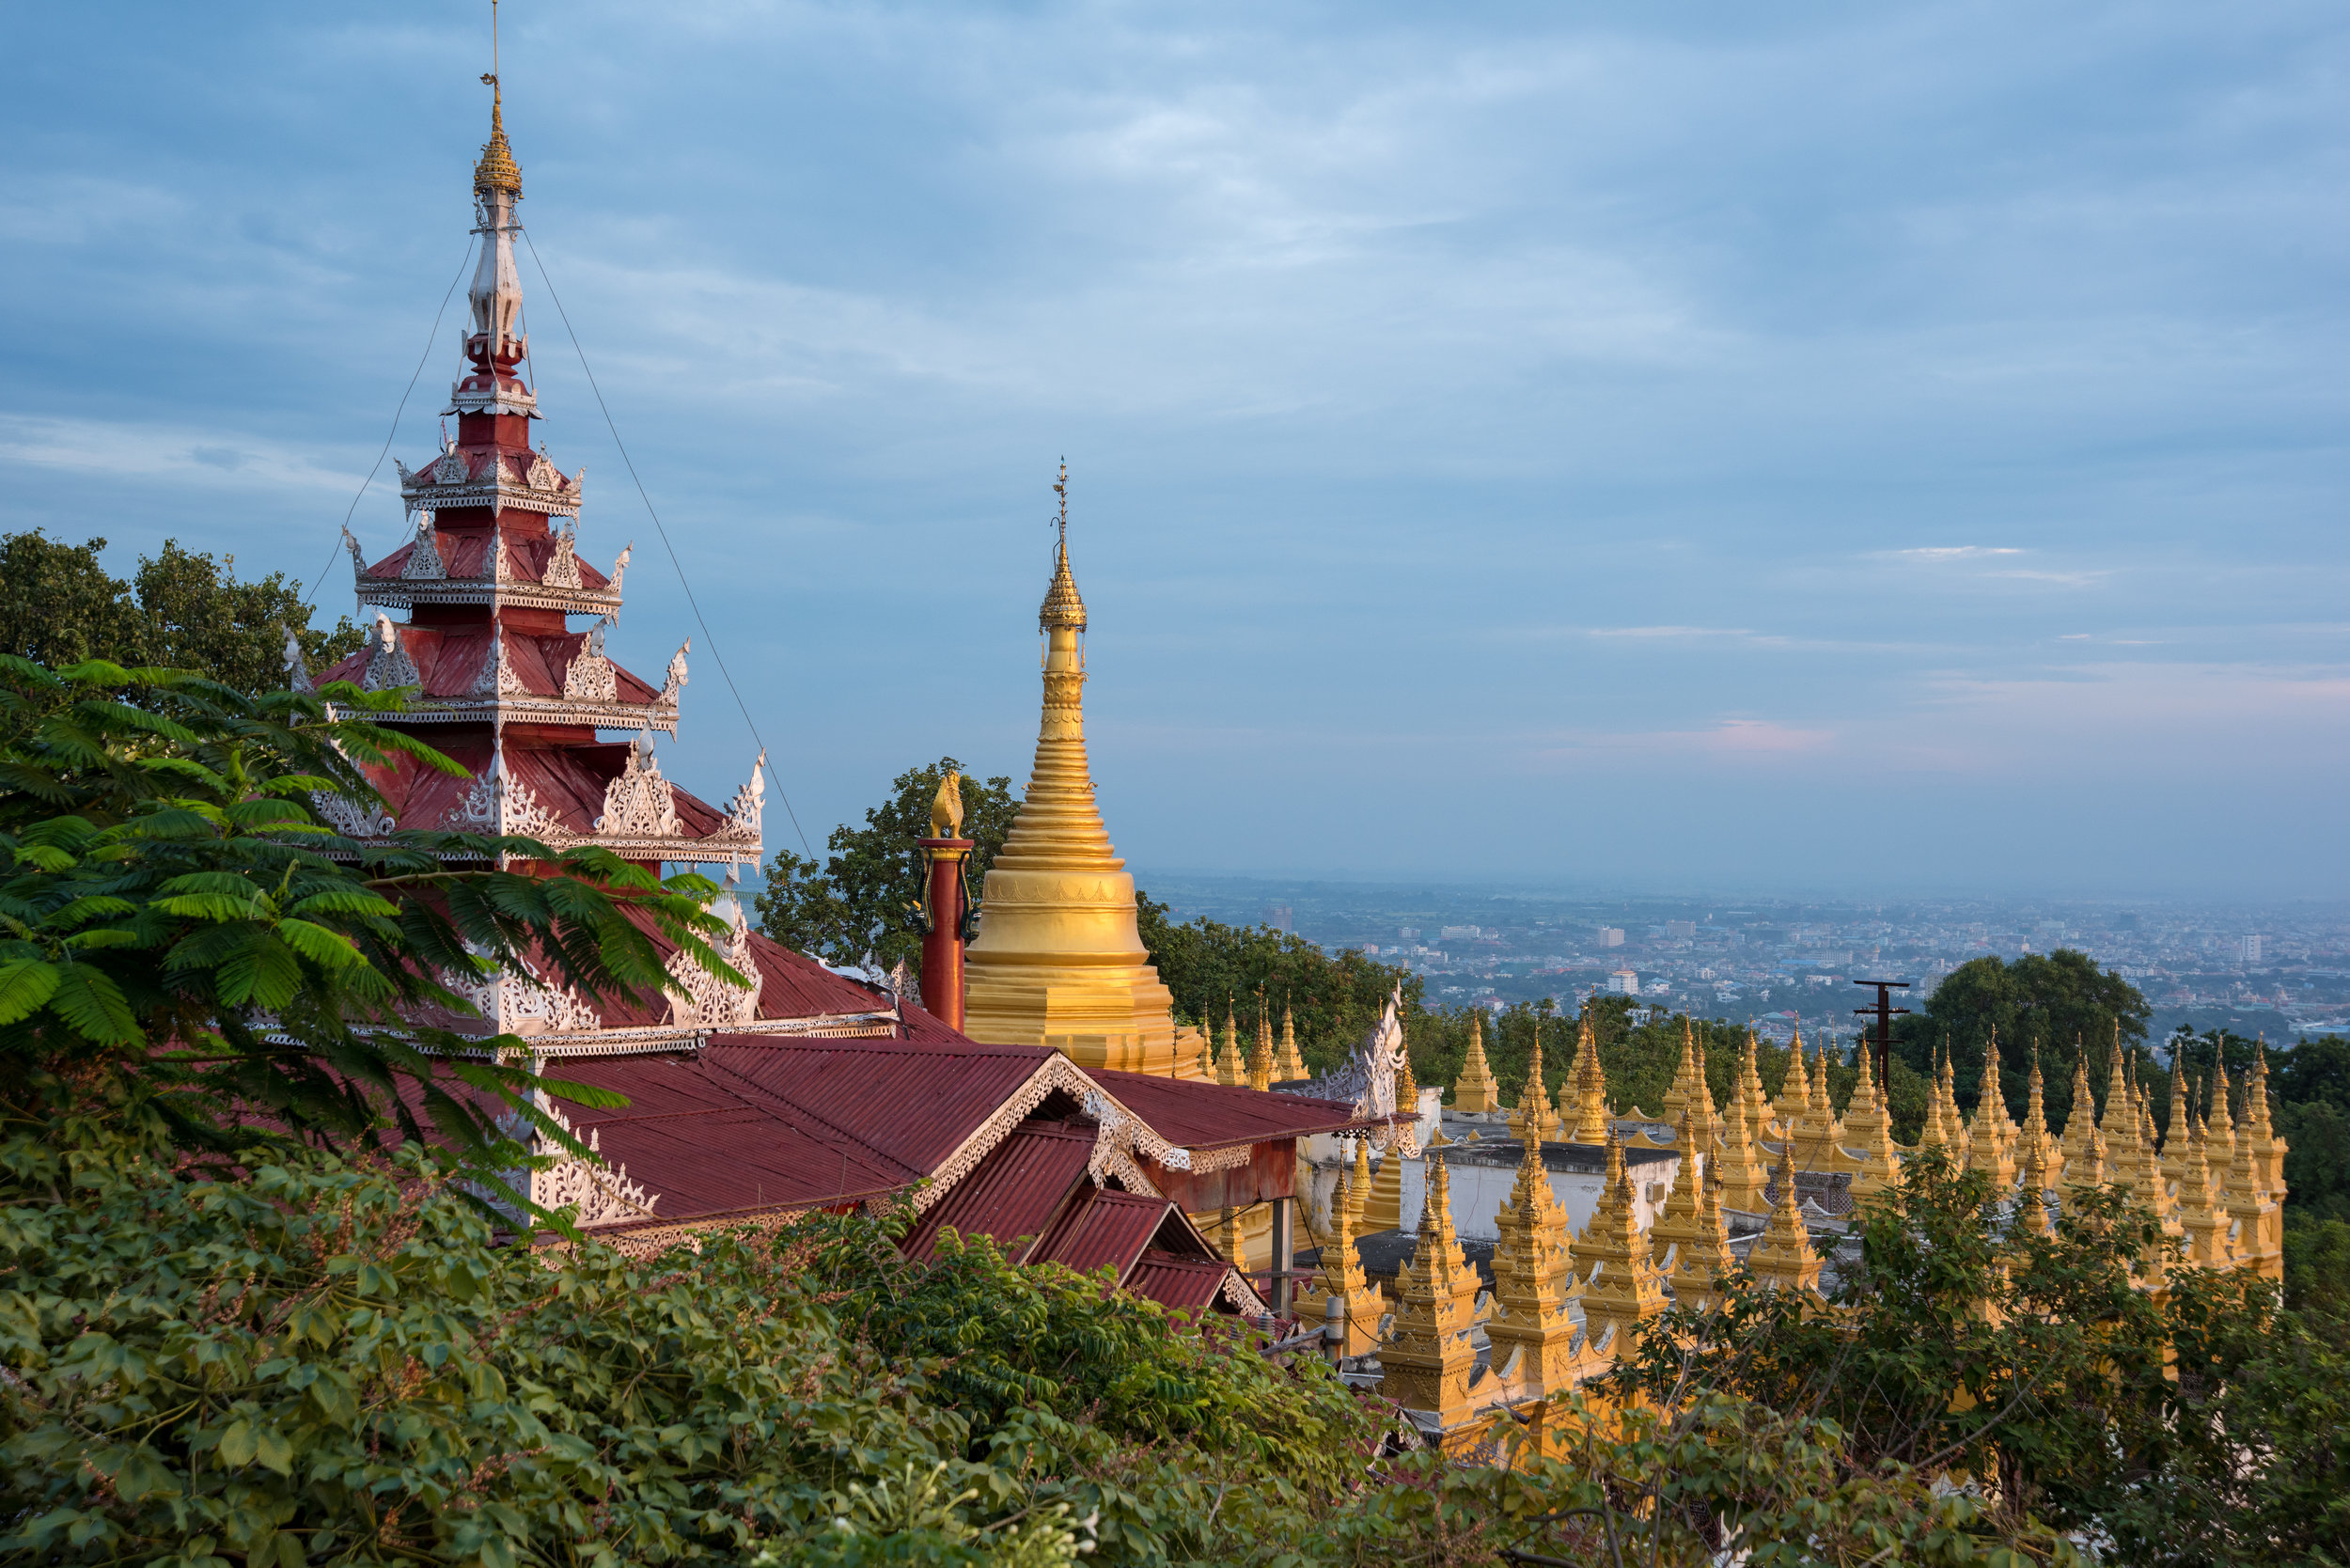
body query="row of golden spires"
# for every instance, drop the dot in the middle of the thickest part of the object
(1622, 1278)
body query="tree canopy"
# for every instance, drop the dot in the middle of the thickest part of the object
(2059, 1005)
(171, 905)
(1211, 967)
(59, 605)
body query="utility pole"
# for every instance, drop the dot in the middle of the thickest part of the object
(1885, 1010)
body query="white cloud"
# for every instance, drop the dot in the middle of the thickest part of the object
(167, 454)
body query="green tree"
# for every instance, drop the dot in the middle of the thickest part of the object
(860, 905)
(174, 916)
(1334, 998)
(2197, 1424)
(2059, 1004)
(59, 605)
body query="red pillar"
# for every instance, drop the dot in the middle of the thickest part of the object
(941, 944)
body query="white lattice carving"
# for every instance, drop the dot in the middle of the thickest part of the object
(600, 1192)
(700, 999)
(563, 565)
(526, 814)
(590, 677)
(424, 561)
(351, 819)
(641, 804)
(675, 685)
(452, 468)
(515, 1001)
(543, 475)
(388, 664)
(748, 805)
(620, 562)
(477, 809)
(497, 675)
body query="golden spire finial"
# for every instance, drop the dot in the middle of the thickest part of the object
(497, 170)
(1062, 607)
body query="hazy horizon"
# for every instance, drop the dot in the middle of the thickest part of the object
(1831, 450)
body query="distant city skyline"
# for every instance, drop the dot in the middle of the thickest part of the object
(2278, 971)
(1825, 451)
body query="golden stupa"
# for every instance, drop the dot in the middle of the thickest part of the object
(1058, 960)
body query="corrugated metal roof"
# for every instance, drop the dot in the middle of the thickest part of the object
(914, 1101)
(1185, 1284)
(463, 551)
(1015, 1193)
(1209, 1116)
(1111, 1229)
(749, 1122)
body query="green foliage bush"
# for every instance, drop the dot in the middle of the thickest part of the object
(324, 1359)
(59, 605)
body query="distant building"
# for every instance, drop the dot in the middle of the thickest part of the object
(1682, 930)
(1279, 917)
(1625, 982)
(1460, 933)
(2254, 947)
(1409, 934)
(1612, 937)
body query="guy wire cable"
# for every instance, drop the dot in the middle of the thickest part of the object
(394, 431)
(649, 510)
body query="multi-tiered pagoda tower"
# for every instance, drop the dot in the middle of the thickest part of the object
(504, 641)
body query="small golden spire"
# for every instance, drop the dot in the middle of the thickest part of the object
(1062, 607)
(497, 170)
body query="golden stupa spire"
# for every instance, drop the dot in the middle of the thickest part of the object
(1288, 1066)
(1622, 1286)
(1868, 1129)
(1261, 1059)
(2081, 1120)
(1532, 1273)
(1533, 1120)
(1785, 1258)
(1475, 1088)
(1058, 960)
(1701, 1262)
(497, 170)
(2218, 1125)
(1427, 1358)
(1589, 1087)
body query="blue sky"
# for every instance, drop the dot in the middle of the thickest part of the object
(1823, 447)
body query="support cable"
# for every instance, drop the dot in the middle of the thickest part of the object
(713, 642)
(393, 434)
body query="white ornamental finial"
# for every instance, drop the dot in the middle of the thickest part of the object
(297, 668)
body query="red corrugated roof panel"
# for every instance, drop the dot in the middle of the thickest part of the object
(747, 1123)
(1014, 1193)
(915, 1102)
(1185, 1284)
(1110, 1230)
(1207, 1115)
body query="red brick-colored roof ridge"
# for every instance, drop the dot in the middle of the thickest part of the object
(1194, 1115)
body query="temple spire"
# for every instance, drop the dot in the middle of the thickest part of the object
(1058, 960)
(496, 296)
